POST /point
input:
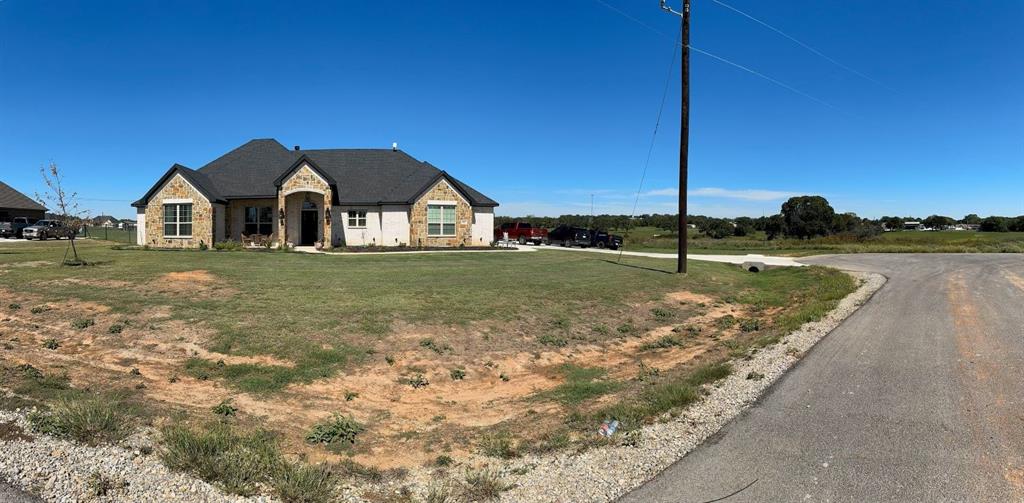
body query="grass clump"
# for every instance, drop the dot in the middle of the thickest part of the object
(39, 309)
(443, 461)
(662, 314)
(664, 396)
(239, 461)
(13, 306)
(51, 344)
(82, 323)
(484, 485)
(750, 324)
(336, 430)
(663, 342)
(553, 340)
(499, 445)
(457, 374)
(115, 329)
(418, 381)
(100, 485)
(92, 420)
(299, 483)
(581, 384)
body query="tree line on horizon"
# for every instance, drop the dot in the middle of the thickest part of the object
(801, 217)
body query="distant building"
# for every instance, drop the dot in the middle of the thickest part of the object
(912, 225)
(105, 221)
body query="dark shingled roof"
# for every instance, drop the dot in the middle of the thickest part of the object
(10, 198)
(358, 176)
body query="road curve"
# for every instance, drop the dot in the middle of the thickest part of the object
(918, 396)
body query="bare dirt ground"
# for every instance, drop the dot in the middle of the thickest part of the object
(407, 426)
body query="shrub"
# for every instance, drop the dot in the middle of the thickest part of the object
(661, 313)
(238, 461)
(504, 377)
(297, 483)
(418, 381)
(116, 328)
(100, 485)
(51, 344)
(228, 246)
(750, 325)
(726, 321)
(39, 309)
(390, 360)
(458, 374)
(13, 306)
(601, 329)
(351, 395)
(553, 340)
(626, 328)
(444, 460)
(440, 492)
(435, 347)
(82, 323)
(337, 429)
(225, 409)
(91, 420)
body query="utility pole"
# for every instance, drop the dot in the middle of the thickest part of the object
(684, 131)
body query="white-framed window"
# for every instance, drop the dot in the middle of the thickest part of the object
(357, 218)
(259, 220)
(440, 220)
(178, 220)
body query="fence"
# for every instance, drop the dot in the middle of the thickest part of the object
(126, 235)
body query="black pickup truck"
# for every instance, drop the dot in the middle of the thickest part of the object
(602, 239)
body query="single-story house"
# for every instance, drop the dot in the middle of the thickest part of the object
(126, 223)
(105, 221)
(14, 204)
(335, 197)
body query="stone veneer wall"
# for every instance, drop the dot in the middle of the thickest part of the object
(303, 179)
(442, 191)
(202, 216)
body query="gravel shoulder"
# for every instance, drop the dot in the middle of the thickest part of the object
(57, 470)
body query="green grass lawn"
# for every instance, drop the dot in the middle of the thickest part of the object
(325, 312)
(565, 333)
(651, 239)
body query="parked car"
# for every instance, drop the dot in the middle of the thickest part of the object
(602, 239)
(566, 235)
(5, 230)
(46, 229)
(18, 225)
(522, 232)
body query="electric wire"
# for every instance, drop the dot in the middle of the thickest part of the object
(657, 124)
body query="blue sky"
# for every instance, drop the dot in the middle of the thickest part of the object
(538, 104)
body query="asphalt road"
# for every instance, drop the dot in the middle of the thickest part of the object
(918, 396)
(9, 494)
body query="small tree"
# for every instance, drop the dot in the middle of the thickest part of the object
(64, 204)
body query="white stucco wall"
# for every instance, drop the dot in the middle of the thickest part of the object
(483, 226)
(394, 224)
(140, 229)
(357, 236)
(385, 226)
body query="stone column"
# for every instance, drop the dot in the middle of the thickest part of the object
(282, 219)
(328, 241)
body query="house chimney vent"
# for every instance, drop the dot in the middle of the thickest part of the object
(296, 148)
(394, 146)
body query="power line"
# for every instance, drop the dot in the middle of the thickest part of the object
(657, 123)
(723, 60)
(798, 42)
(765, 77)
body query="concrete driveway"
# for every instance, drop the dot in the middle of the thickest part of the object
(918, 396)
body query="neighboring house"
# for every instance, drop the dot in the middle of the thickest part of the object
(911, 225)
(15, 204)
(338, 197)
(126, 223)
(105, 221)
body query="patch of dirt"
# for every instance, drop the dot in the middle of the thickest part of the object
(10, 431)
(100, 283)
(403, 422)
(197, 276)
(31, 263)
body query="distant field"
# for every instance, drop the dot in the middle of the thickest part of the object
(657, 240)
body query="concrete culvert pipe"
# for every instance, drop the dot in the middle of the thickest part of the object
(753, 266)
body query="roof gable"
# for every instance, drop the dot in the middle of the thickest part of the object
(10, 198)
(356, 176)
(198, 180)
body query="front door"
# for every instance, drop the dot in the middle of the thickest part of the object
(307, 234)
